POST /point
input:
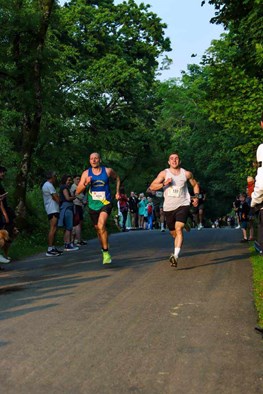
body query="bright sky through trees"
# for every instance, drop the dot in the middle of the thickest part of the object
(189, 30)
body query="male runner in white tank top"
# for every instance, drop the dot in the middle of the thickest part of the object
(177, 200)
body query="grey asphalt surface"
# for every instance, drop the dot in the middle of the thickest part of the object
(70, 325)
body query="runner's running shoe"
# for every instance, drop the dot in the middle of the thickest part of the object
(106, 257)
(173, 260)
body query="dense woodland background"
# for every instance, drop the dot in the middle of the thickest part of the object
(83, 77)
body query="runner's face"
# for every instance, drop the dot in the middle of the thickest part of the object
(174, 161)
(94, 160)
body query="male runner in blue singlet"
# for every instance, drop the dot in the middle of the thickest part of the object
(177, 199)
(96, 180)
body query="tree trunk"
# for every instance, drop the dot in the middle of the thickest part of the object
(32, 117)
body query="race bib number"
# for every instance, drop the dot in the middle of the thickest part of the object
(174, 191)
(98, 196)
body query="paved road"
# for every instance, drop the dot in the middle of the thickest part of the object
(71, 326)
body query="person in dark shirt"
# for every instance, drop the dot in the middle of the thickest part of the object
(133, 206)
(124, 207)
(7, 215)
(243, 213)
(197, 212)
(236, 205)
(200, 208)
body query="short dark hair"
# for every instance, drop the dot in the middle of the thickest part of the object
(243, 195)
(174, 153)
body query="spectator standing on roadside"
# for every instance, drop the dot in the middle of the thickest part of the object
(158, 200)
(141, 210)
(150, 213)
(251, 215)
(200, 207)
(78, 206)
(236, 205)
(51, 204)
(5, 217)
(124, 207)
(243, 215)
(66, 212)
(257, 195)
(133, 207)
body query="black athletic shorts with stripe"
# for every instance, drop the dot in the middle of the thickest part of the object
(178, 215)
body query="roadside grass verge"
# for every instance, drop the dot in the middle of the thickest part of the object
(257, 264)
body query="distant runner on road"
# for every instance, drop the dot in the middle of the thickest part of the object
(177, 200)
(96, 180)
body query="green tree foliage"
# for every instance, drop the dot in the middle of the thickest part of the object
(235, 102)
(23, 34)
(244, 20)
(76, 79)
(212, 117)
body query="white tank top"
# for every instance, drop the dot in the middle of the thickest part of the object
(176, 194)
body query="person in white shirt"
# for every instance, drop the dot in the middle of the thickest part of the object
(257, 195)
(51, 204)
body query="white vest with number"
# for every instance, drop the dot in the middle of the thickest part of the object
(176, 194)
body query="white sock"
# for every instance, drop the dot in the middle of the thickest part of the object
(162, 226)
(176, 251)
(50, 248)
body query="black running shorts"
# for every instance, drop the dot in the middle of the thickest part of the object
(178, 215)
(94, 215)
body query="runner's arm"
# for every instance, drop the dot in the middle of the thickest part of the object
(193, 182)
(83, 183)
(112, 174)
(159, 182)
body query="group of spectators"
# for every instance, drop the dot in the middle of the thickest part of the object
(144, 212)
(244, 216)
(64, 209)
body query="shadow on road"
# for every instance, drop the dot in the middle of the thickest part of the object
(223, 260)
